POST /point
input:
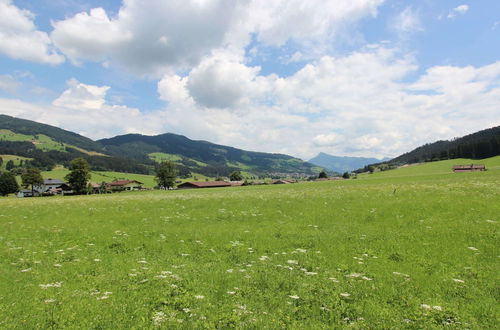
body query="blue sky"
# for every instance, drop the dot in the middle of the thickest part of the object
(350, 77)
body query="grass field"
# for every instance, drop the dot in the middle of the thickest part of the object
(15, 159)
(389, 250)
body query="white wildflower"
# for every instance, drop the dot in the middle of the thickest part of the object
(457, 280)
(264, 258)
(472, 248)
(311, 273)
(49, 301)
(51, 285)
(229, 271)
(158, 318)
(199, 297)
(345, 294)
(231, 292)
(26, 270)
(367, 278)
(425, 306)
(294, 297)
(301, 250)
(292, 262)
(57, 265)
(97, 260)
(438, 308)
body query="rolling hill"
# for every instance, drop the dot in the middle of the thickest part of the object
(204, 157)
(47, 146)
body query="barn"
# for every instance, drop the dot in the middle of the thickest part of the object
(203, 184)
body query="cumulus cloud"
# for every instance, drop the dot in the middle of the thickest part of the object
(158, 37)
(460, 10)
(20, 39)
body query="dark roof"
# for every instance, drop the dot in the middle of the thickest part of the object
(53, 181)
(205, 184)
(123, 182)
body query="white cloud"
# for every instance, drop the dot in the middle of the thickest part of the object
(165, 36)
(19, 38)
(407, 22)
(460, 10)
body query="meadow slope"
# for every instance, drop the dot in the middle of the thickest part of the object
(383, 251)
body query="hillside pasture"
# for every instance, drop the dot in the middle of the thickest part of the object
(416, 252)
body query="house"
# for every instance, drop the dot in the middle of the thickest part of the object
(468, 168)
(53, 187)
(203, 184)
(25, 193)
(120, 185)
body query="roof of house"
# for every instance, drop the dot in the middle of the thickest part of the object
(123, 182)
(206, 184)
(471, 166)
(53, 181)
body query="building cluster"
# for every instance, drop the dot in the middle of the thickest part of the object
(53, 187)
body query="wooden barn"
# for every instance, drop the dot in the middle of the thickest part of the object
(469, 168)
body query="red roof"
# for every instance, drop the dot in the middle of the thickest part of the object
(123, 182)
(205, 184)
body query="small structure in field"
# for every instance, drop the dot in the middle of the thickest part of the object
(122, 185)
(203, 184)
(469, 168)
(280, 181)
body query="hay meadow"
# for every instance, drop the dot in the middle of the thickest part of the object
(412, 248)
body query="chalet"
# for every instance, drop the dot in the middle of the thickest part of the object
(468, 168)
(120, 185)
(203, 184)
(53, 187)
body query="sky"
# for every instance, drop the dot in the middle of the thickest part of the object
(373, 78)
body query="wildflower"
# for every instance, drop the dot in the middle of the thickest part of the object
(199, 297)
(57, 265)
(301, 250)
(294, 297)
(97, 260)
(51, 285)
(102, 297)
(333, 279)
(158, 318)
(26, 270)
(353, 275)
(142, 261)
(425, 306)
(292, 262)
(264, 258)
(438, 308)
(311, 273)
(345, 294)
(49, 301)
(367, 278)
(229, 271)
(472, 248)
(231, 292)
(457, 280)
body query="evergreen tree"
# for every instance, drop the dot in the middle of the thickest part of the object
(346, 175)
(10, 165)
(32, 176)
(1, 161)
(78, 176)
(166, 174)
(8, 184)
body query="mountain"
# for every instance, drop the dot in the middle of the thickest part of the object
(478, 145)
(45, 146)
(482, 144)
(342, 164)
(204, 157)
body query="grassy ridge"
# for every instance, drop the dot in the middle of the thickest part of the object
(401, 252)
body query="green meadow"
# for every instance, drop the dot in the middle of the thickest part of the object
(413, 248)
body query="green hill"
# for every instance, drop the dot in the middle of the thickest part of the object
(204, 157)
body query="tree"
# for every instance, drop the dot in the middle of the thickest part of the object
(1, 161)
(78, 176)
(8, 184)
(32, 176)
(346, 175)
(322, 175)
(10, 165)
(236, 176)
(166, 174)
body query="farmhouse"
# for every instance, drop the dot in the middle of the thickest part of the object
(469, 168)
(203, 184)
(280, 181)
(120, 185)
(53, 187)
